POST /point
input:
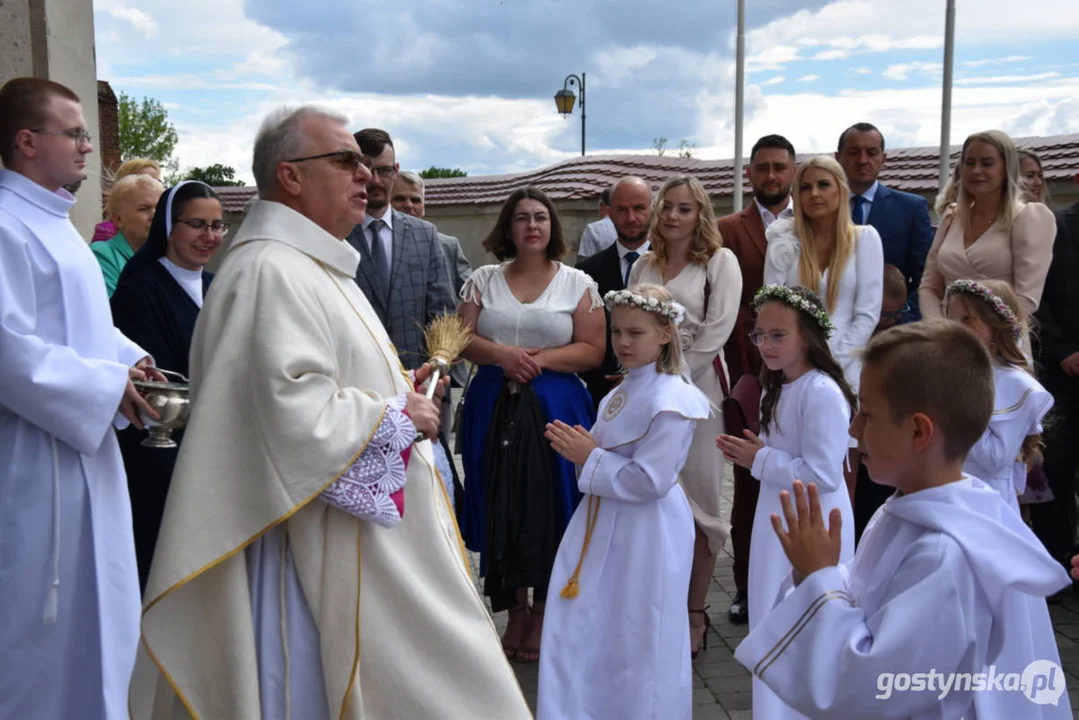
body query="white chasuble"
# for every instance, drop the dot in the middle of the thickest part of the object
(620, 649)
(931, 592)
(69, 589)
(291, 376)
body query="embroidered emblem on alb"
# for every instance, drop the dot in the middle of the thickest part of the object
(614, 406)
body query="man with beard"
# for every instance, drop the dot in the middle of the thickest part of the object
(631, 209)
(770, 173)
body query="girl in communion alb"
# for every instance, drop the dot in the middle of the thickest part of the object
(805, 412)
(616, 640)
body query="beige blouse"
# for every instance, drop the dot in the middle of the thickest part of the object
(1020, 257)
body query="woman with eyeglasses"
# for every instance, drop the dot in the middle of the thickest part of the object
(156, 304)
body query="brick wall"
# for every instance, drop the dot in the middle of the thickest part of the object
(108, 139)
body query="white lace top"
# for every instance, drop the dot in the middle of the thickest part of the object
(547, 322)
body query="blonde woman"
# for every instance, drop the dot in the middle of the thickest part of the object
(989, 232)
(135, 166)
(821, 248)
(1032, 177)
(688, 258)
(130, 209)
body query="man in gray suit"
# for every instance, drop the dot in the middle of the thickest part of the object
(408, 197)
(402, 267)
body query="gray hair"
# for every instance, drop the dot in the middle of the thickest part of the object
(127, 185)
(412, 179)
(280, 138)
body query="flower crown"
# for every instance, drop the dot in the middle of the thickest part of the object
(668, 309)
(970, 287)
(788, 296)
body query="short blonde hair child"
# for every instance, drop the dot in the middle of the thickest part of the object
(670, 358)
(938, 368)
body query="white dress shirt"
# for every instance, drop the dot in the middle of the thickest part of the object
(623, 250)
(769, 218)
(867, 197)
(385, 234)
(597, 236)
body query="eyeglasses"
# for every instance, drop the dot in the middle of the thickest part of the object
(345, 159)
(79, 135)
(386, 172)
(758, 338)
(217, 227)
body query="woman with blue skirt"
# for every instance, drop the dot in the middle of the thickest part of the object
(535, 323)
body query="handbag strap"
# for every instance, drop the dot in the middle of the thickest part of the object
(716, 362)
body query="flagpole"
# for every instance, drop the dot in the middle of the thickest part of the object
(946, 100)
(739, 101)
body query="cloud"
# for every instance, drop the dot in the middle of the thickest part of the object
(996, 61)
(775, 80)
(860, 71)
(902, 71)
(1007, 79)
(138, 19)
(809, 78)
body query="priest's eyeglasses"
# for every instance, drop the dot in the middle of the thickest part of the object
(217, 227)
(758, 338)
(79, 135)
(345, 159)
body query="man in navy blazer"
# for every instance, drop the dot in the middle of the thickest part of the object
(901, 218)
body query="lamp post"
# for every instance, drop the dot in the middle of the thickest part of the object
(563, 100)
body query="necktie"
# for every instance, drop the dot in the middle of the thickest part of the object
(856, 202)
(631, 257)
(378, 256)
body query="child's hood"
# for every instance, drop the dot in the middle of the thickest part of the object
(1002, 550)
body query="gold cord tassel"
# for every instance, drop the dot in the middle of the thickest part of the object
(573, 588)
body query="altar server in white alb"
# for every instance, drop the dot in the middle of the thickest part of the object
(805, 411)
(308, 564)
(933, 585)
(616, 640)
(1012, 443)
(69, 589)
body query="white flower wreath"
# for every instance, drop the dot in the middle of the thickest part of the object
(671, 310)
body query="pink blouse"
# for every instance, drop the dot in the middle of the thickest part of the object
(1020, 257)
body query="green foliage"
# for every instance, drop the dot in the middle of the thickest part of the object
(216, 175)
(685, 147)
(659, 144)
(438, 172)
(145, 130)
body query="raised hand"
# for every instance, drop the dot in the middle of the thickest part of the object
(809, 544)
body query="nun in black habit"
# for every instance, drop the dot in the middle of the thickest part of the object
(156, 303)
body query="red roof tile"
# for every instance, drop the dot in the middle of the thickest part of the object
(911, 169)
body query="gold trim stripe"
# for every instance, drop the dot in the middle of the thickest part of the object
(796, 629)
(1013, 408)
(356, 657)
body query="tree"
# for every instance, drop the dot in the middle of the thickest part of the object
(659, 144)
(438, 172)
(216, 175)
(685, 147)
(145, 131)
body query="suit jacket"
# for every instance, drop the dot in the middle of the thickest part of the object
(460, 270)
(605, 267)
(902, 220)
(419, 284)
(1058, 314)
(743, 233)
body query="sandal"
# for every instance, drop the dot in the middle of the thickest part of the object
(532, 652)
(704, 636)
(512, 650)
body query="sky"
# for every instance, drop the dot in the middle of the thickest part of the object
(470, 83)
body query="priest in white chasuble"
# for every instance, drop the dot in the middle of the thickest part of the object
(309, 565)
(69, 590)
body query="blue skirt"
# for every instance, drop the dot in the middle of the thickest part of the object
(562, 396)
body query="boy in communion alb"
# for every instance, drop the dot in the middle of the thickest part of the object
(616, 641)
(918, 624)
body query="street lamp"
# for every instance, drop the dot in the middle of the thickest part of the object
(563, 100)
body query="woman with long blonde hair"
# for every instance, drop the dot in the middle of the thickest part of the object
(989, 232)
(687, 257)
(822, 249)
